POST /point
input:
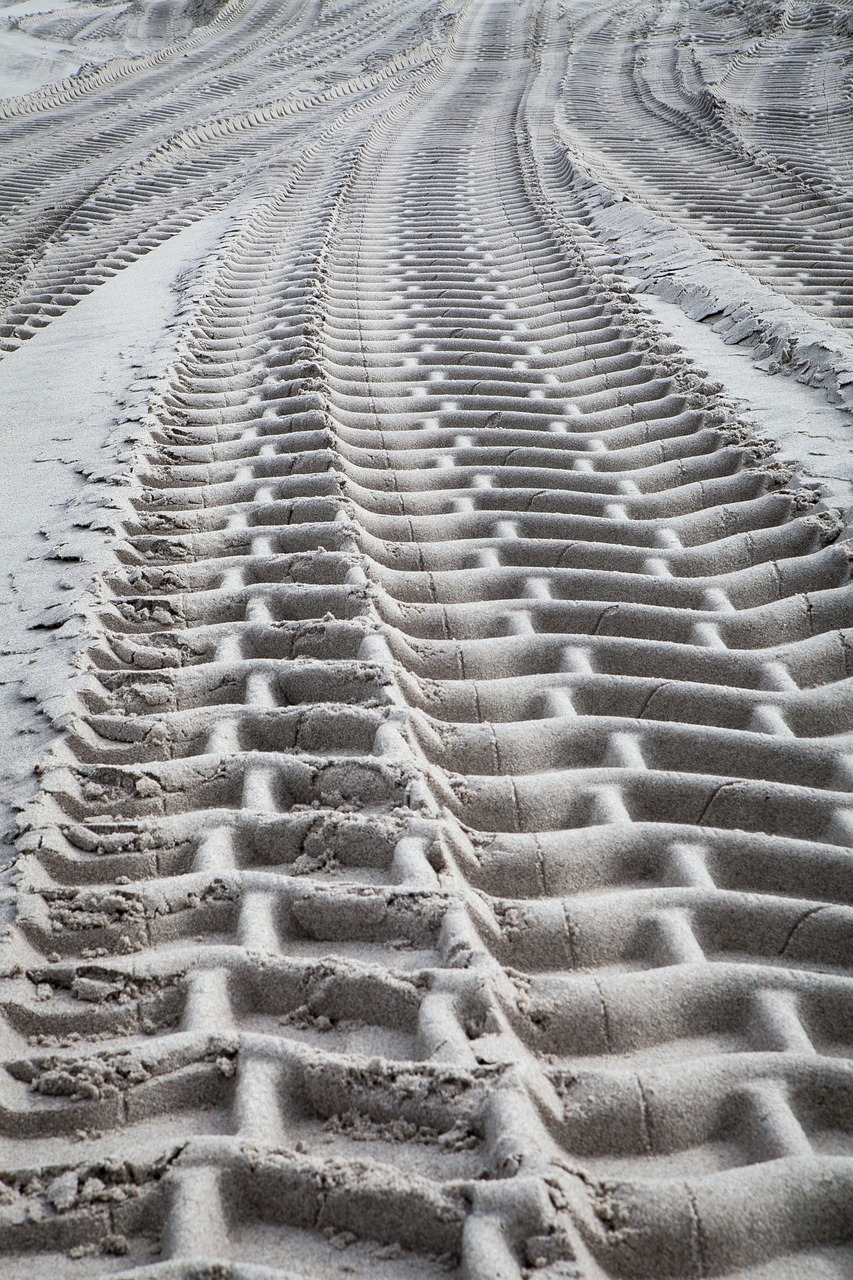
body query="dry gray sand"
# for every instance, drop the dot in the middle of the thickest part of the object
(427, 648)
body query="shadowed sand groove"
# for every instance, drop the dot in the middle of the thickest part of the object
(443, 863)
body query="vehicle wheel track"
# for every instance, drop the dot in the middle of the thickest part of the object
(450, 605)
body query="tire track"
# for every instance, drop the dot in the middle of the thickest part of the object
(659, 120)
(450, 852)
(198, 157)
(667, 162)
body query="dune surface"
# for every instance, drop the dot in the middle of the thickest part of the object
(427, 644)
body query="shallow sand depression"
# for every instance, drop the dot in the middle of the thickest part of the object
(427, 649)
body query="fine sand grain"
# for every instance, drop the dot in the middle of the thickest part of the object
(427, 648)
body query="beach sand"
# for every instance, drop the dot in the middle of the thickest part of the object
(426, 655)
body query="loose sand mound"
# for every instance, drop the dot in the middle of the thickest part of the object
(429, 693)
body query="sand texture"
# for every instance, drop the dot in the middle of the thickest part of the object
(427, 642)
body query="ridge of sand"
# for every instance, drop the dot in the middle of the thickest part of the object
(439, 861)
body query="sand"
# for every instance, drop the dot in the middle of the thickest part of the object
(426, 653)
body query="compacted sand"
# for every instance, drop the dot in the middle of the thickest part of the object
(427, 653)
